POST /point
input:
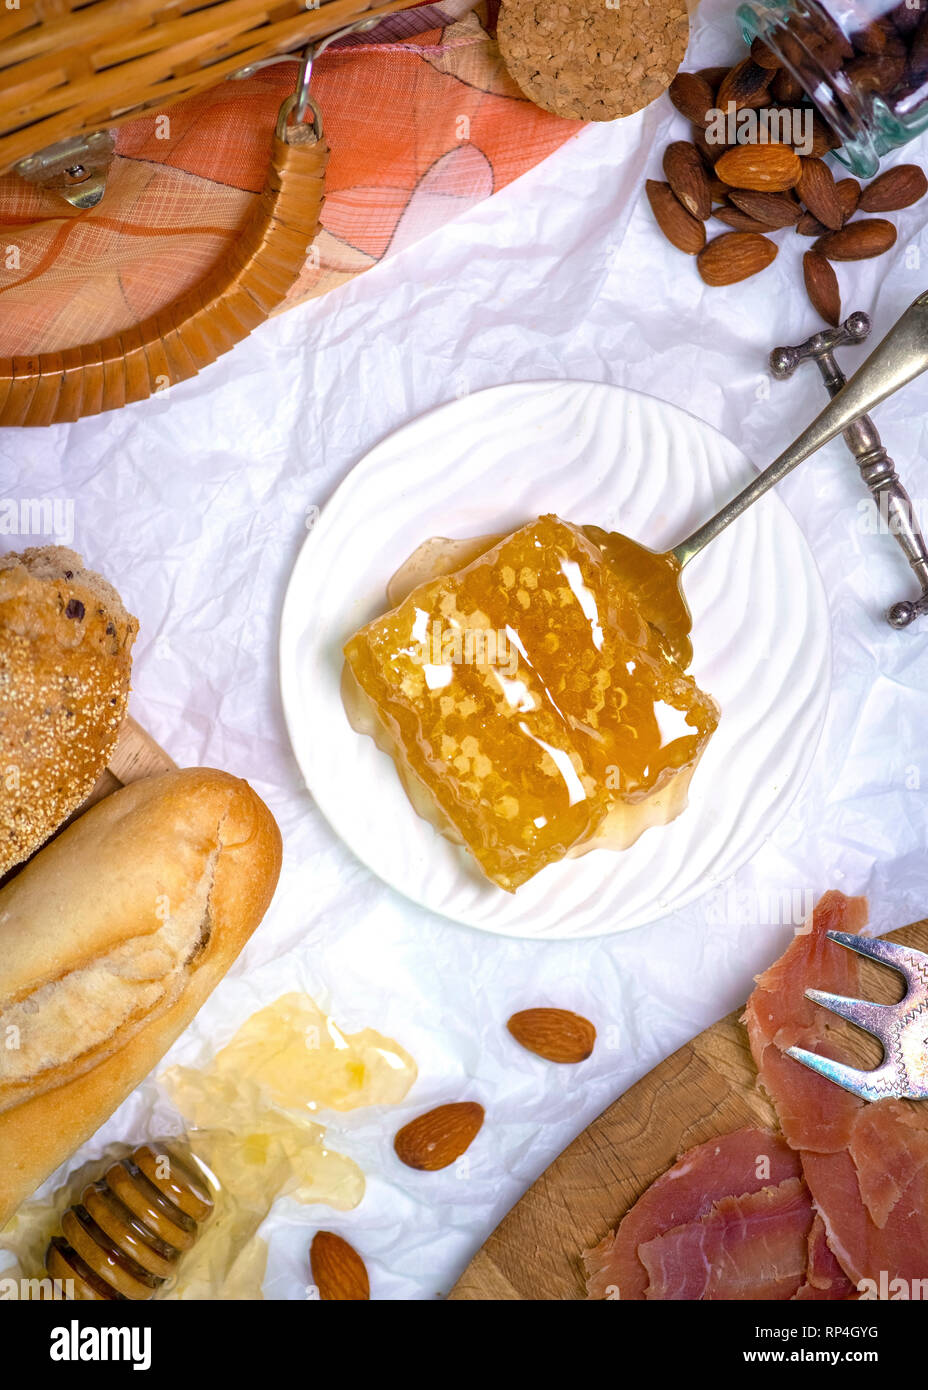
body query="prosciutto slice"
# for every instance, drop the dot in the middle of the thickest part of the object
(736, 1165)
(749, 1247)
(825, 1279)
(813, 1113)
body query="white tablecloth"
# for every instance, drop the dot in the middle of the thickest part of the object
(195, 506)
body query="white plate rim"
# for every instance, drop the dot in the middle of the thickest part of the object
(289, 631)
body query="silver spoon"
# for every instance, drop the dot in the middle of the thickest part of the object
(899, 358)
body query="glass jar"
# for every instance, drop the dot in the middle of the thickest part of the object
(863, 63)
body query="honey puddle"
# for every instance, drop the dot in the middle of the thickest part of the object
(252, 1120)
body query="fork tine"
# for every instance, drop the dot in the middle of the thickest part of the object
(901, 958)
(869, 1085)
(873, 1018)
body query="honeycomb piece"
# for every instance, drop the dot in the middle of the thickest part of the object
(527, 695)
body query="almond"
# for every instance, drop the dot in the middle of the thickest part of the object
(848, 191)
(763, 56)
(874, 74)
(739, 221)
(907, 16)
(680, 227)
(822, 287)
(918, 55)
(692, 96)
(785, 87)
(735, 256)
(810, 226)
(555, 1034)
(858, 241)
(823, 137)
(878, 37)
(434, 1140)
(709, 151)
(762, 168)
(834, 42)
(338, 1271)
(793, 51)
(746, 85)
(686, 174)
(772, 209)
(817, 190)
(714, 76)
(897, 188)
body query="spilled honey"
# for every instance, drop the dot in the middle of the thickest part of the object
(252, 1120)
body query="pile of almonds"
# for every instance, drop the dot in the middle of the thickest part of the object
(759, 189)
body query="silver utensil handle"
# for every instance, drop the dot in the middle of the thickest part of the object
(899, 358)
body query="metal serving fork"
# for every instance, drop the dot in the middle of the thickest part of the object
(901, 1028)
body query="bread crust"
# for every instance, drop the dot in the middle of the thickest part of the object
(65, 662)
(113, 855)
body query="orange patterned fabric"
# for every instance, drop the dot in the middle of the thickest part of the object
(421, 126)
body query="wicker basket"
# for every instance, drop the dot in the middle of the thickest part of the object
(69, 68)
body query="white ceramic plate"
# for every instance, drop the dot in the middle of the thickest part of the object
(592, 454)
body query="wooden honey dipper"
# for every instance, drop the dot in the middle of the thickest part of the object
(123, 1239)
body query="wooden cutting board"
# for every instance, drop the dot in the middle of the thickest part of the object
(703, 1090)
(135, 756)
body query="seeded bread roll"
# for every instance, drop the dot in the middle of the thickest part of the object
(65, 644)
(110, 941)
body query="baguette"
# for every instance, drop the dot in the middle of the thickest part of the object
(111, 939)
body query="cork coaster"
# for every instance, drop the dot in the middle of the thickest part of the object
(592, 60)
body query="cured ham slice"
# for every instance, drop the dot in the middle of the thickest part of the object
(889, 1153)
(897, 1250)
(750, 1247)
(738, 1165)
(866, 1164)
(825, 1279)
(813, 1113)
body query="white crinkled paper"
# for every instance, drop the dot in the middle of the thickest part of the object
(196, 506)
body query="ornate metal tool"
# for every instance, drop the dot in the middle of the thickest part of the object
(901, 1028)
(877, 469)
(897, 360)
(893, 363)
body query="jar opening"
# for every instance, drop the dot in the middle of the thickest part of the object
(794, 30)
